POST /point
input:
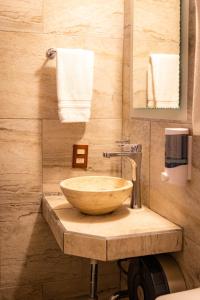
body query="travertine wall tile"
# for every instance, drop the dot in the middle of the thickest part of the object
(12, 212)
(67, 291)
(165, 24)
(24, 230)
(23, 89)
(109, 283)
(20, 157)
(42, 270)
(53, 175)
(43, 264)
(106, 106)
(29, 252)
(26, 15)
(188, 260)
(23, 292)
(58, 139)
(85, 17)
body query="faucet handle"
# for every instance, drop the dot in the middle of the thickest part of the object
(133, 148)
(136, 148)
(121, 143)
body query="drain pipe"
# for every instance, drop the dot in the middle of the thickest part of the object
(93, 279)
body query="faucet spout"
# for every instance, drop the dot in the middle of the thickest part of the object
(133, 153)
(114, 154)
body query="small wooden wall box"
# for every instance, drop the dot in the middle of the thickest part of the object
(80, 156)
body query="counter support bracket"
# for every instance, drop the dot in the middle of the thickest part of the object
(93, 279)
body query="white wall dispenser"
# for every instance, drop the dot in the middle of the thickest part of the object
(178, 156)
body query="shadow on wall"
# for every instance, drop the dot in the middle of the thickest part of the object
(46, 75)
(41, 270)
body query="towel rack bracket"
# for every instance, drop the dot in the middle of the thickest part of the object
(51, 53)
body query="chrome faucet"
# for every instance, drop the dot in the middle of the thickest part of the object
(134, 154)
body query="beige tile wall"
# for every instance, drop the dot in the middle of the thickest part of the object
(26, 15)
(180, 205)
(58, 140)
(35, 148)
(152, 35)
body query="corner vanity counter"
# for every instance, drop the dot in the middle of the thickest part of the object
(121, 234)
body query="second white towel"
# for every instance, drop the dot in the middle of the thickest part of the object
(163, 81)
(75, 68)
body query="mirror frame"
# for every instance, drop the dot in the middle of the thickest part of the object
(181, 113)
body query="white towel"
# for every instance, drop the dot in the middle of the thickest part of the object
(75, 68)
(163, 81)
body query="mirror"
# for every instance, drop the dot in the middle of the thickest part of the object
(159, 58)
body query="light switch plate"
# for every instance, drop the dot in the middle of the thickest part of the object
(80, 156)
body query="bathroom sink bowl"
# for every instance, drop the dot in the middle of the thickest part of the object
(96, 195)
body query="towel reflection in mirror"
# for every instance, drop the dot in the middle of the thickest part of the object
(163, 81)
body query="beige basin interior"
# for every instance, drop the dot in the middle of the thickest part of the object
(96, 195)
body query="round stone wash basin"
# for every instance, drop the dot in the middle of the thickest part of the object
(96, 195)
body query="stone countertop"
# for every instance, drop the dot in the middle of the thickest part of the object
(121, 234)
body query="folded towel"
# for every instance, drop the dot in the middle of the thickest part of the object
(75, 69)
(163, 81)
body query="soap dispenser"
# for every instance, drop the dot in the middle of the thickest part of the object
(178, 153)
